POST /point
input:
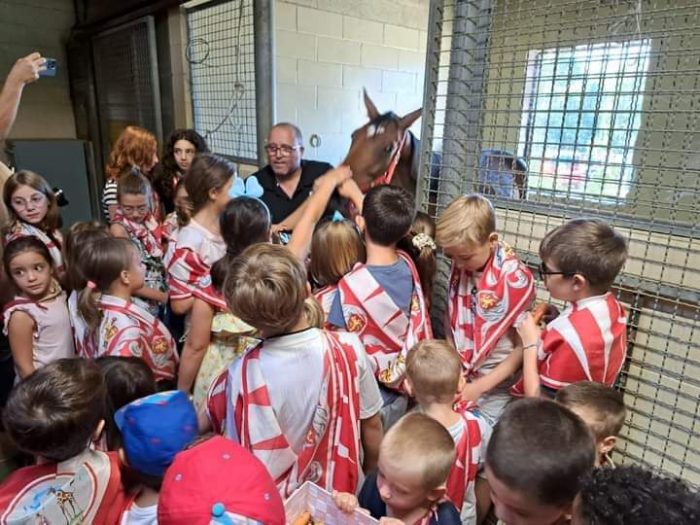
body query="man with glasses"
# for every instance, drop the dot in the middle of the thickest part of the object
(288, 179)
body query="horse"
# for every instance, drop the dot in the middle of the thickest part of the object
(381, 150)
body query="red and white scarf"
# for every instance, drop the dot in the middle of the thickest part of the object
(148, 233)
(385, 330)
(466, 467)
(479, 315)
(21, 229)
(325, 297)
(147, 338)
(330, 456)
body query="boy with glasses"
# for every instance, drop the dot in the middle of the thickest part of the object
(588, 340)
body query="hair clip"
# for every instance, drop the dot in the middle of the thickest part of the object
(250, 187)
(91, 285)
(337, 216)
(423, 240)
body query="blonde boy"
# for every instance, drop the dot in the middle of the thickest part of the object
(415, 459)
(588, 340)
(602, 409)
(434, 378)
(489, 291)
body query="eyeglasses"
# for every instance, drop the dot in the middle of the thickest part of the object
(283, 151)
(544, 272)
(36, 200)
(131, 209)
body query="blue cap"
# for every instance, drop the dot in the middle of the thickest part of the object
(155, 428)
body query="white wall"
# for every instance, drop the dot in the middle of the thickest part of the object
(327, 51)
(39, 25)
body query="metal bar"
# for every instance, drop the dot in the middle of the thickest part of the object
(265, 71)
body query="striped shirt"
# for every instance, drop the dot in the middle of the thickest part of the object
(109, 197)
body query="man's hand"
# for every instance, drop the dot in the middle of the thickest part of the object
(26, 70)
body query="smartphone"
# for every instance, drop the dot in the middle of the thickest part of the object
(51, 67)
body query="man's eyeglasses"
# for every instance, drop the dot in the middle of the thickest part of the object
(283, 151)
(544, 272)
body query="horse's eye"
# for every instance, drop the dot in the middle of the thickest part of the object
(389, 149)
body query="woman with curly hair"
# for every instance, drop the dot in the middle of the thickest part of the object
(135, 148)
(181, 148)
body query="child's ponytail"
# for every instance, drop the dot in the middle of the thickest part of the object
(420, 245)
(102, 265)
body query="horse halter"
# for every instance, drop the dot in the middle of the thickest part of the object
(389, 173)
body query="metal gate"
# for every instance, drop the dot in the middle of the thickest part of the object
(126, 75)
(566, 108)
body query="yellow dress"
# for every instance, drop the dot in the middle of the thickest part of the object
(229, 339)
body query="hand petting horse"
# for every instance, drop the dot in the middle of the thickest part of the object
(379, 153)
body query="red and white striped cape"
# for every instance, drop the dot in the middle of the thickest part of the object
(462, 477)
(586, 342)
(325, 297)
(127, 329)
(21, 229)
(330, 456)
(190, 265)
(148, 233)
(385, 330)
(478, 316)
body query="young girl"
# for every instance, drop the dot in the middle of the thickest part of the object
(133, 220)
(135, 148)
(335, 248)
(420, 245)
(33, 210)
(114, 272)
(216, 336)
(36, 320)
(176, 220)
(199, 244)
(79, 240)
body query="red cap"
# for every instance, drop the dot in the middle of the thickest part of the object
(214, 477)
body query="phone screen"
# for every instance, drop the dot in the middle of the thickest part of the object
(51, 68)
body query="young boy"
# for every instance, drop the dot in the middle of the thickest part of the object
(153, 429)
(382, 301)
(537, 455)
(133, 220)
(55, 415)
(303, 400)
(631, 495)
(489, 292)
(434, 378)
(410, 485)
(602, 409)
(588, 340)
(219, 482)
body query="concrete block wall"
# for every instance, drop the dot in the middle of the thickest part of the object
(327, 51)
(40, 25)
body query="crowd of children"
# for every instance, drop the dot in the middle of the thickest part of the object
(313, 361)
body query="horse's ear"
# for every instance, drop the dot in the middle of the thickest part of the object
(409, 119)
(372, 112)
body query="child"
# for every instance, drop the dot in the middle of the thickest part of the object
(153, 430)
(218, 481)
(199, 244)
(382, 301)
(32, 209)
(415, 459)
(631, 495)
(133, 220)
(55, 414)
(489, 291)
(216, 336)
(537, 455)
(36, 321)
(420, 245)
(127, 379)
(79, 240)
(602, 409)
(114, 271)
(588, 340)
(434, 378)
(336, 247)
(176, 220)
(302, 399)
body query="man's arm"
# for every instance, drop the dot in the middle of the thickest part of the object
(25, 71)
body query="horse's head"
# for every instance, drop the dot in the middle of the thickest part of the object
(374, 144)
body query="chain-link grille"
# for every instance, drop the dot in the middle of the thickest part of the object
(221, 54)
(127, 82)
(566, 108)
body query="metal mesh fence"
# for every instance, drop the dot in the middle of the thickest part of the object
(126, 80)
(221, 55)
(564, 108)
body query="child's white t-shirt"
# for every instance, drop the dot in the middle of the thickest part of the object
(140, 515)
